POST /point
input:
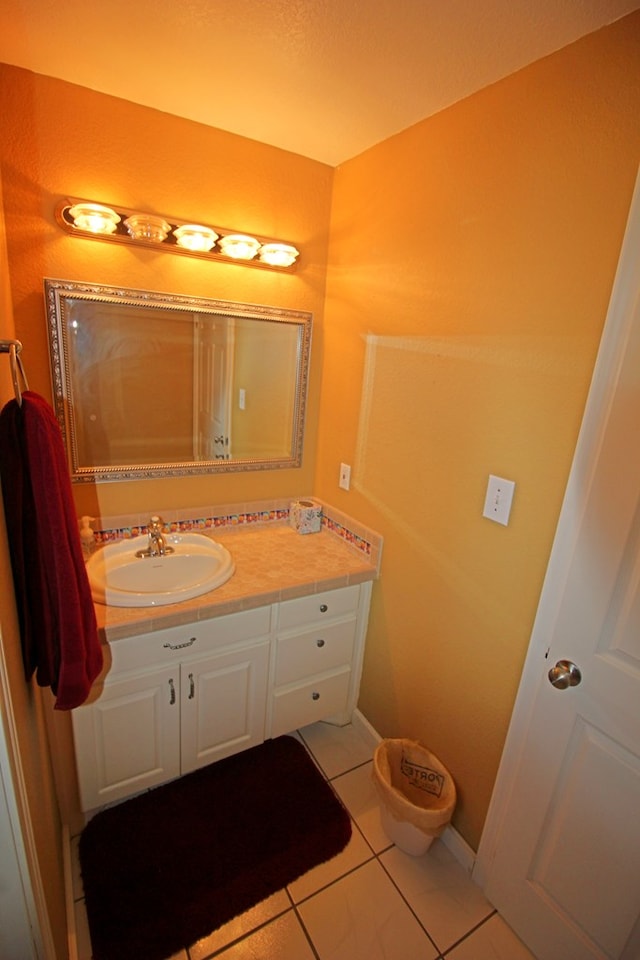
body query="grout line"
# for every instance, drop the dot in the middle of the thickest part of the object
(409, 907)
(469, 933)
(306, 932)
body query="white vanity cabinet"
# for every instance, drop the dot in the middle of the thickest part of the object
(179, 698)
(172, 701)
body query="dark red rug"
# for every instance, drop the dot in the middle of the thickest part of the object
(166, 868)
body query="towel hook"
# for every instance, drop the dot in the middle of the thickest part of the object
(14, 348)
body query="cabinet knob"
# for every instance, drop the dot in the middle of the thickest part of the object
(172, 692)
(320, 642)
(315, 695)
(323, 608)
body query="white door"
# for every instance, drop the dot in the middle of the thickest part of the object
(560, 856)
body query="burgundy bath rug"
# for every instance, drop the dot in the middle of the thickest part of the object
(168, 867)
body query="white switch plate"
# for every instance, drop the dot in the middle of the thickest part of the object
(497, 504)
(242, 398)
(345, 476)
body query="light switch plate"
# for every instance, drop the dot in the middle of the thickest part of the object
(497, 504)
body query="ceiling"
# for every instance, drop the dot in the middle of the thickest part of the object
(323, 78)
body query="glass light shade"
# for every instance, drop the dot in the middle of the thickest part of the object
(239, 246)
(94, 217)
(144, 226)
(192, 236)
(278, 254)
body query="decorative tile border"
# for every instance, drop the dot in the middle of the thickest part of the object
(108, 529)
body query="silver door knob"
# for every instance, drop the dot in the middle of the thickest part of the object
(564, 674)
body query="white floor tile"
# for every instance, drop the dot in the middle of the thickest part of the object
(337, 749)
(494, 940)
(445, 899)
(363, 917)
(282, 939)
(357, 792)
(354, 855)
(240, 926)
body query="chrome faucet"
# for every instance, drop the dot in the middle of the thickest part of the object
(157, 546)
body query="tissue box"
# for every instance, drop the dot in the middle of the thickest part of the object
(305, 516)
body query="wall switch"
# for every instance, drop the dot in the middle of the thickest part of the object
(242, 398)
(345, 476)
(497, 505)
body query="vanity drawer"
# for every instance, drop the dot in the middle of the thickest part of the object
(304, 611)
(298, 706)
(301, 655)
(184, 642)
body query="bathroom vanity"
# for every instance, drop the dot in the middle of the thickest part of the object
(276, 648)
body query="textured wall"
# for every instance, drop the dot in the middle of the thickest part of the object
(471, 263)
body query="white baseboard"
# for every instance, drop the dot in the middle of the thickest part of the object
(364, 728)
(454, 842)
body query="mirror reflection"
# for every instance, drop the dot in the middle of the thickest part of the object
(148, 384)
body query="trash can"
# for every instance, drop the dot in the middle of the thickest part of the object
(417, 794)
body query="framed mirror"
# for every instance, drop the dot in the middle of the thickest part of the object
(155, 385)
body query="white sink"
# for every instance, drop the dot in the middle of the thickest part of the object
(119, 578)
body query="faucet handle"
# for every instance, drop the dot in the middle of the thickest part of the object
(156, 524)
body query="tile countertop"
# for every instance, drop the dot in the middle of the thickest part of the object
(272, 562)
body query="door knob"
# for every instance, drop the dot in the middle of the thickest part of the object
(564, 674)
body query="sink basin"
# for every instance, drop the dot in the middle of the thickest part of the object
(119, 578)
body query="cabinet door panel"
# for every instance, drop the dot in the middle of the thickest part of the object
(223, 705)
(128, 739)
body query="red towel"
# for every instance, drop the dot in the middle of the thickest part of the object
(57, 618)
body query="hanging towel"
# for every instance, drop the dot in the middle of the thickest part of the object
(60, 642)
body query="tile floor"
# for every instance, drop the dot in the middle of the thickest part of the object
(372, 902)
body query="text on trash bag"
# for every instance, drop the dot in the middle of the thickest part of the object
(424, 778)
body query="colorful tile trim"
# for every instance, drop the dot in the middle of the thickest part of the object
(204, 524)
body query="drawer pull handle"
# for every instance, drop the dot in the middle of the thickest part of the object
(192, 687)
(320, 643)
(315, 695)
(172, 695)
(323, 608)
(179, 646)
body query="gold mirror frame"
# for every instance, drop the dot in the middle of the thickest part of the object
(62, 296)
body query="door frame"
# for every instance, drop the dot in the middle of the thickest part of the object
(615, 336)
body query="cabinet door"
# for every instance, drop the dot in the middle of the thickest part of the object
(129, 738)
(223, 704)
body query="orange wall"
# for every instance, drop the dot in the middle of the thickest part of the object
(471, 263)
(64, 140)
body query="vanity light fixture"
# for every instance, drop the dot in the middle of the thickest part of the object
(278, 254)
(193, 236)
(85, 218)
(142, 226)
(239, 246)
(93, 217)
